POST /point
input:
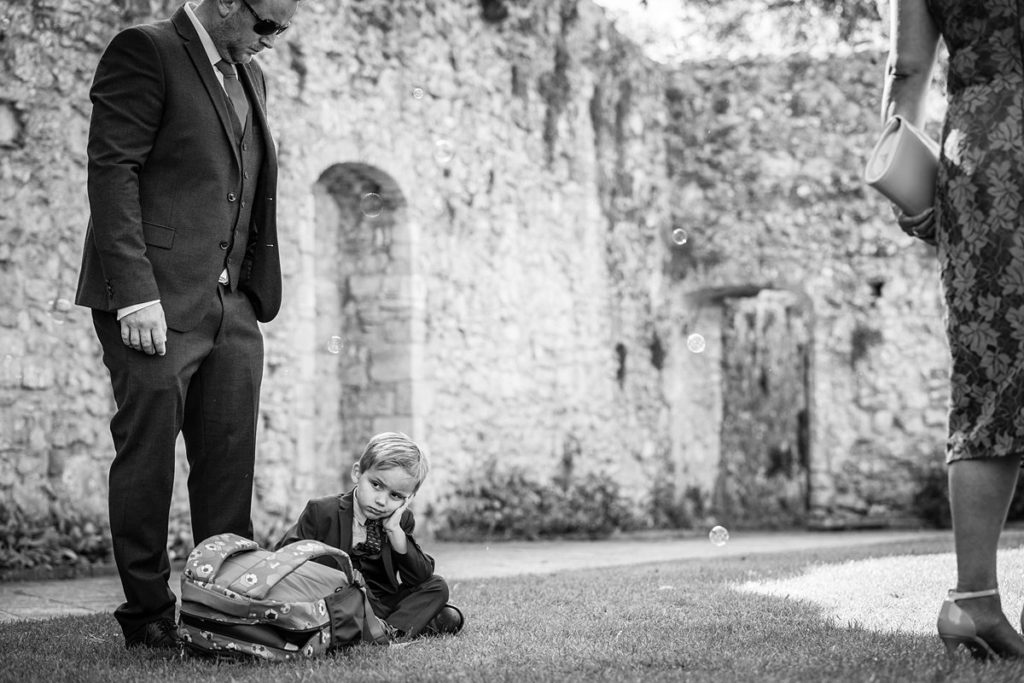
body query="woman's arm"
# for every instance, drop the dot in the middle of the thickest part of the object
(913, 45)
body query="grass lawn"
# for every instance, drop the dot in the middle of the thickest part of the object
(864, 614)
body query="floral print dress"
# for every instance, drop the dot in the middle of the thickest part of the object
(981, 224)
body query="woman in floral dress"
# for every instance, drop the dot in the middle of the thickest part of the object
(977, 223)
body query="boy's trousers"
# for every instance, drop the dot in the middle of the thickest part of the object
(411, 607)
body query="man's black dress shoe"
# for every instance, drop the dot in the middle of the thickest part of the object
(161, 634)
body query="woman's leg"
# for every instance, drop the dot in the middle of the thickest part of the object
(980, 492)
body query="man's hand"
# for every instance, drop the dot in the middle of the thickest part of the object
(393, 524)
(146, 330)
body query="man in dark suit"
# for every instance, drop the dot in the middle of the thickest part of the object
(180, 262)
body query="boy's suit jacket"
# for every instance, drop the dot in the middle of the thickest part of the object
(329, 520)
(165, 176)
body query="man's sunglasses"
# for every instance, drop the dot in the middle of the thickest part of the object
(265, 27)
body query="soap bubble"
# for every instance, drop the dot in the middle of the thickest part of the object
(696, 343)
(443, 151)
(679, 236)
(371, 204)
(334, 345)
(417, 93)
(718, 536)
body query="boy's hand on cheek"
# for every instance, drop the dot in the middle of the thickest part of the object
(394, 522)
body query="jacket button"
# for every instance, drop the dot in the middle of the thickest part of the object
(231, 196)
(223, 245)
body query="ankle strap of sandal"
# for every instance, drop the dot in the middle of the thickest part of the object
(953, 595)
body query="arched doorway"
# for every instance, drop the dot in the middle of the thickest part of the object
(367, 313)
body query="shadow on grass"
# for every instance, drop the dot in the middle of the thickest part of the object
(686, 621)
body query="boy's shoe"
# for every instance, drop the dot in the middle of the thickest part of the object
(393, 634)
(161, 634)
(448, 621)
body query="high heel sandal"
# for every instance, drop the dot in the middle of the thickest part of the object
(957, 628)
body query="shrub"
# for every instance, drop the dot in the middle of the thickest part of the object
(932, 499)
(61, 538)
(507, 503)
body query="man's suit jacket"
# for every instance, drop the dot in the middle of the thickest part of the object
(329, 520)
(165, 179)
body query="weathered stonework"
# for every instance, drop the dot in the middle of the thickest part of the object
(518, 288)
(766, 160)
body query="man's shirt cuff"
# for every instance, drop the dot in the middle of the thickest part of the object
(122, 312)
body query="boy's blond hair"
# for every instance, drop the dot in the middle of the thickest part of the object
(394, 449)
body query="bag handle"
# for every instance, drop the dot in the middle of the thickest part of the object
(282, 562)
(205, 560)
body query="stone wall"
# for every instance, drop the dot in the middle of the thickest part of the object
(766, 157)
(512, 286)
(519, 166)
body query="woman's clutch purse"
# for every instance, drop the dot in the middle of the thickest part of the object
(902, 166)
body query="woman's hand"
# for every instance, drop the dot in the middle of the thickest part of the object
(921, 226)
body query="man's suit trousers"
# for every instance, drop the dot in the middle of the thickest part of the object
(206, 388)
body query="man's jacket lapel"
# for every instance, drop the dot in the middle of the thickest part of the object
(194, 48)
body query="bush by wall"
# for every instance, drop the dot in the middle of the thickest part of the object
(510, 503)
(63, 539)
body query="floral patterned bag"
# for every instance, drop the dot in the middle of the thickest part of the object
(240, 600)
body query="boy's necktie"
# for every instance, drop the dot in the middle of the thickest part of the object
(374, 534)
(233, 87)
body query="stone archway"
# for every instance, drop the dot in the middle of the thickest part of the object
(367, 315)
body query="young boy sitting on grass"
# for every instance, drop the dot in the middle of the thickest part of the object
(373, 524)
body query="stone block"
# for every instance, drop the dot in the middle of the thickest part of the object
(355, 376)
(36, 375)
(377, 401)
(392, 363)
(364, 287)
(395, 423)
(882, 421)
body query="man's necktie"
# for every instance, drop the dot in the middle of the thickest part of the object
(233, 88)
(374, 534)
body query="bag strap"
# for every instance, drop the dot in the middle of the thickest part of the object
(373, 631)
(282, 562)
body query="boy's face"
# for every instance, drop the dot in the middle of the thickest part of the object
(379, 492)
